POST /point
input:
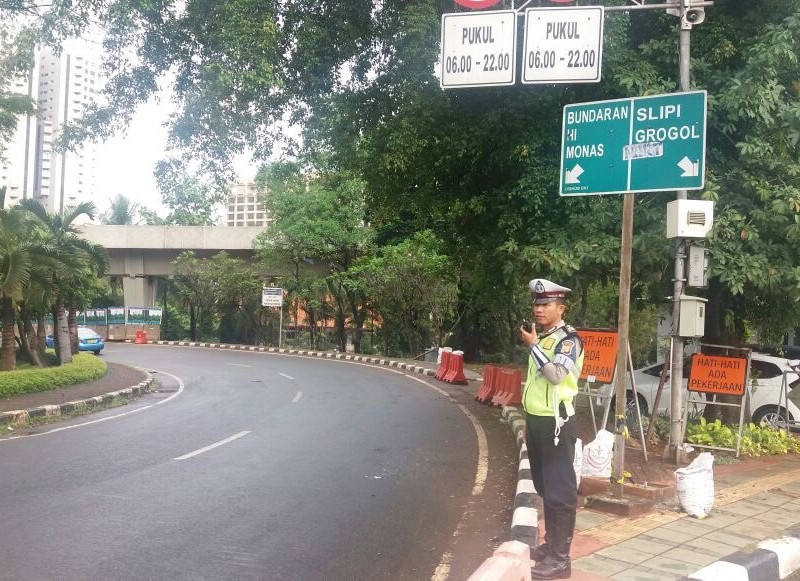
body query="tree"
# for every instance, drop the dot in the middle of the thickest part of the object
(15, 267)
(122, 211)
(413, 286)
(195, 284)
(321, 218)
(16, 62)
(71, 253)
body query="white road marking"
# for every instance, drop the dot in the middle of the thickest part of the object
(181, 387)
(237, 364)
(289, 377)
(212, 446)
(297, 397)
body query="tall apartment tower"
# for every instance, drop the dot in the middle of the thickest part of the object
(18, 163)
(244, 209)
(68, 82)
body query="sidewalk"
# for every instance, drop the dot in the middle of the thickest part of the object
(756, 500)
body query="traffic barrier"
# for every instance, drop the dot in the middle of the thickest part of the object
(486, 390)
(447, 352)
(512, 393)
(510, 562)
(141, 337)
(455, 369)
(503, 387)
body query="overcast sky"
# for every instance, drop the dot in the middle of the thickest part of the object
(125, 163)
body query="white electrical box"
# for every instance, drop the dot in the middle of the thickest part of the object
(689, 218)
(692, 322)
(697, 267)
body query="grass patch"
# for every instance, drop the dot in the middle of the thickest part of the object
(84, 367)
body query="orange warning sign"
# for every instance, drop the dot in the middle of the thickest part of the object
(717, 374)
(599, 355)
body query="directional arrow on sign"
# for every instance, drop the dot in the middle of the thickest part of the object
(573, 175)
(690, 168)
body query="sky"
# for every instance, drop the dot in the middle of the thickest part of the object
(125, 163)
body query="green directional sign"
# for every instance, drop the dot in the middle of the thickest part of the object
(641, 144)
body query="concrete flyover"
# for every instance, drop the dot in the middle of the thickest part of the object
(139, 254)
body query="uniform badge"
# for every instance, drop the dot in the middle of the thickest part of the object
(567, 346)
(548, 343)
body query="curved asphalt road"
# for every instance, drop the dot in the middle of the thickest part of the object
(320, 470)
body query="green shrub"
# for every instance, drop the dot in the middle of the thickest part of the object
(84, 367)
(760, 440)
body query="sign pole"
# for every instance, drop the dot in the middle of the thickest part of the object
(674, 450)
(280, 327)
(618, 468)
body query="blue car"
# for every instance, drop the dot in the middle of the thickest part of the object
(88, 340)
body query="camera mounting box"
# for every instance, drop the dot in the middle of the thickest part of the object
(689, 218)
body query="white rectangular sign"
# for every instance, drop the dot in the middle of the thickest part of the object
(271, 297)
(563, 45)
(478, 49)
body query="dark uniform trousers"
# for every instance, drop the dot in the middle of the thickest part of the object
(552, 467)
(553, 475)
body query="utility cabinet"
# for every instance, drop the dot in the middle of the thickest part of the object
(692, 321)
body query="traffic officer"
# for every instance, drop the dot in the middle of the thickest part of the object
(554, 366)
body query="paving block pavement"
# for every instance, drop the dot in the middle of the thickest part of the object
(753, 532)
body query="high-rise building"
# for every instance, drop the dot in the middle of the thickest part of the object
(244, 209)
(18, 164)
(63, 85)
(68, 82)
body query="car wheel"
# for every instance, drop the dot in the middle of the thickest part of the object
(630, 407)
(772, 415)
(97, 352)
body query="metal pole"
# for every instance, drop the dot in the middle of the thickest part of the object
(674, 451)
(618, 468)
(280, 325)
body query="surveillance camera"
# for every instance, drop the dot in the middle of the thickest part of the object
(694, 16)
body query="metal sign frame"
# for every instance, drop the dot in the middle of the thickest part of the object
(743, 403)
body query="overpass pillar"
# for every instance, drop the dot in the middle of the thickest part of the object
(140, 291)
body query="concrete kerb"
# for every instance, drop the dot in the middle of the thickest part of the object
(14, 417)
(770, 560)
(525, 520)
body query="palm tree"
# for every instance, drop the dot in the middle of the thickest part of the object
(121, 212)
(15, 265)
(72, 253)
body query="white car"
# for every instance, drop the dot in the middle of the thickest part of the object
(766, 379)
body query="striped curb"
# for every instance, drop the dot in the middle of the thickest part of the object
(48, 411)
(525, 521)
(418, 369)
(771, 560)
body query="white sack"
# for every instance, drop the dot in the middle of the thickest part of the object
(597, 455)
(695, 485)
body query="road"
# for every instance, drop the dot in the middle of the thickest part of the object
(253, 466)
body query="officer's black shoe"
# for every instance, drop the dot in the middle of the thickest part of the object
(540, 552)
(553, 567)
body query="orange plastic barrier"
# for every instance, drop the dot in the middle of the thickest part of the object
(455, 369)
(442, 370)
(509, 390)
(486, 391)
(141, 337)
(510, 562)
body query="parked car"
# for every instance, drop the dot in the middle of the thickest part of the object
(88, 340)
(766, 379)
